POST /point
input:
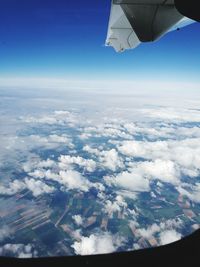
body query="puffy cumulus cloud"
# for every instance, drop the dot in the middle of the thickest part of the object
(192, 192)
(91, 150)
(130, 181)
(99, 186)
(42, 173)
(111, 160)
(39, 169)
(97, 244)
(38, 174)
(18, 251)
(46, 163)
(143, 149)
(114, 206)
(166, 231)
(50, 175)
(65, 161)
(74, 180)
(63, 173)
(12, 188)
(37, 187)
(185, 155)
(111, 130)
(70, 180)
(164, 170)
(78, 219)
(31, 164)
(120, 201)
(151, 132)
(169, 236)
(115, 133)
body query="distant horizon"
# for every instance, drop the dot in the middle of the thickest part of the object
(53, 81)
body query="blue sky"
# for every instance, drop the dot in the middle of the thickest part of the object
(65, 39)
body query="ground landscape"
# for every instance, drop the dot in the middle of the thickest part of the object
(88, 174)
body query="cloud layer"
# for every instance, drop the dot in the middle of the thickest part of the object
(136, 167)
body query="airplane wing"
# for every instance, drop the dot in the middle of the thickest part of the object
(121, 35)
(134, 21)
(182, 23)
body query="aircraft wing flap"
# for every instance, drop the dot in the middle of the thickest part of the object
(121, 35)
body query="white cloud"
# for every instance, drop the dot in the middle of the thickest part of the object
(166, 232)
(127, 193)
(74, 180)
(184, 132)
(169, 236)
(114, 133)
(120, 201)
(66, 161)
(115, 206)
(96, 244)
(37, 187)
(175, 157)
(12, 188)
(131, 181)
(108, 158)
(130, 127)
(112, 130)
(62, 172)
(60, 139)
(46, 163)
(111, 160)
(172, 114)
(193, 194)
(52, 176)
(38, 174)
(57, 118)
(78, 219)
(18, 250)
(164, 170)
(147, 150)
(50, 142)
(152, 132)
(91, 150)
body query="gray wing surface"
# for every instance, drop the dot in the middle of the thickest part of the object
(134, 21)
(121, 35)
